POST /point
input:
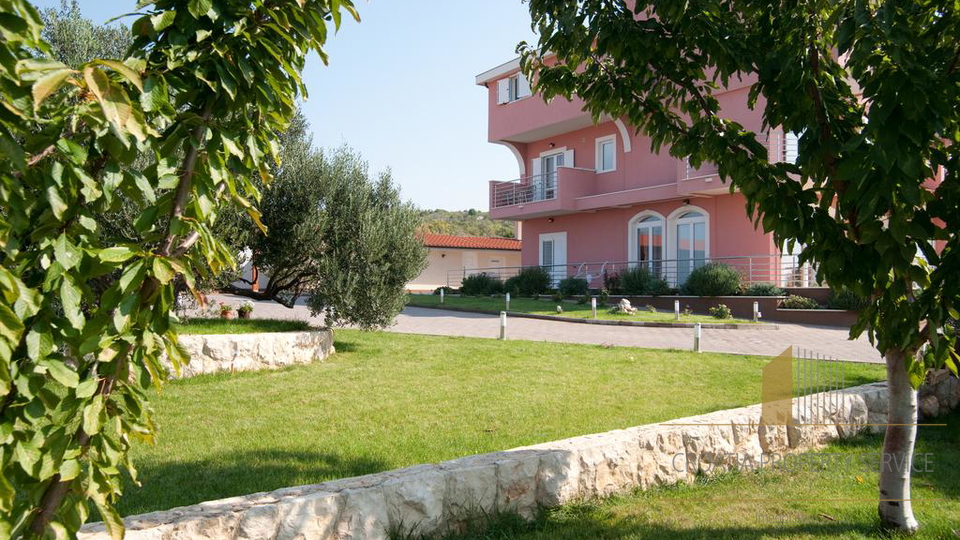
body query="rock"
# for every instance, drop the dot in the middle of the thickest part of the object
(259, 523)
(245, 352)
(364, 515)
(929, 406)
(517, 482)
(415, 502)
(310, 517)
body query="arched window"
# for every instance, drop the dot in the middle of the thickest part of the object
(647, 240)
(690, 245)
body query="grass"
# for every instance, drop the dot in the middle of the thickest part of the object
(239, 326)
(570, 309)
(783, 504)
(388, 400)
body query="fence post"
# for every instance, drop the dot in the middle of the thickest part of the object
(593, 306)
(756, 312)
(503, 325)
(508, 301)
(696, 337)
(676, 309)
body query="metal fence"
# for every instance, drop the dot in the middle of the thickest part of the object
(541, 187)
(818, 381)
(780, 270)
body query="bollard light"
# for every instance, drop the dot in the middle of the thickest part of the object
(593, 306)
(441, 295)
(676, 309)
(756, 312)
(503, 325)
(508, 302)
(696, 337)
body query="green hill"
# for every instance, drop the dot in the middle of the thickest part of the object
(464, 223)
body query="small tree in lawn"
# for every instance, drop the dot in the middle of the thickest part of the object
(872, 87)
(85, 315)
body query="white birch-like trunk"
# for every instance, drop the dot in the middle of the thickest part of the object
(896, 510)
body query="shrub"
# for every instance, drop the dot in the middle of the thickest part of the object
(604, 297)
(611, 281)
(640, 280)
(799, 302)
(531, 280)
(481, 284)
(573, 286)
(764, 289)
(713, 279)
(584, 299)
(445, 289)
(651, 309)
(557, 297)
(844, 298)
(721, 311)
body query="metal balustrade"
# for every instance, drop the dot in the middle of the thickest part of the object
(781, 148)
(534, 188)
(779, 270)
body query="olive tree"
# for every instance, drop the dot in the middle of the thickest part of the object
(337, 235)
(201, 90)
(873, 198)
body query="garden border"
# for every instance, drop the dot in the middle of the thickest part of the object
(215, 353)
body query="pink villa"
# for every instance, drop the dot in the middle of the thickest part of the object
(595, 198)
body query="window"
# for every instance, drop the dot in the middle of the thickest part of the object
(607, 154)
(512, 88)
(690, 242)
(650, 241)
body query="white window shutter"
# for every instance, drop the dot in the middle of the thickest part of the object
(523, 86)
(503, 91)
(535, 168)
(568, 158)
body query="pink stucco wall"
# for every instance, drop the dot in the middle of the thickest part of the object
(602, 236)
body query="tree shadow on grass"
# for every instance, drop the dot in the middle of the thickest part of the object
(181, 483)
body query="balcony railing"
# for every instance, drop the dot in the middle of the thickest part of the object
(535, 188)
(779, 270)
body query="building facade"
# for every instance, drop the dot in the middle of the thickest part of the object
(594, 198)
(451, 258)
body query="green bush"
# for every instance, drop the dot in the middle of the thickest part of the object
(584, 299)
(445, 289)
(611, 281)
(721, 311)
(573, 286)
(557, 297)
(799, 302)
(640, 280)
(764, 289)
(713, 279)
(604, 297)
(481, 284)
(530, 281)
(844, 298)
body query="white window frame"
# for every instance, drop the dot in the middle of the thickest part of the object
(558, 271)
(517, 88)
(632, 239)
(598, 149)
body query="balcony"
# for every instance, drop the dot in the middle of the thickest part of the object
(541, 195)
(705, 179)
(531, 119)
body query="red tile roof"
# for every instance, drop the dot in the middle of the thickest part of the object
(471, 242)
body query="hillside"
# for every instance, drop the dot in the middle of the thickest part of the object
(464, 223)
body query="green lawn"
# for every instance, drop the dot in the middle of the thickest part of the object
(239, 326)
(388, 400)
(782, 504)
(549, 307)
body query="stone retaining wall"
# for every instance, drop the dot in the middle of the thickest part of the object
(443, 497)
(246, 352)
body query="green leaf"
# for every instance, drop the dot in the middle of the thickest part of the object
(57, 206)
(61, 372)
(91, 415)
(162, 270)
(70, 297)
(124, 70)
(86, 388)
(132, 276)
(113, 100)
(111, 520)
(198, 8)
(49, 84)
(69, 469)
(115, 254)
(39, 342)
(163, 20)
(67, 254)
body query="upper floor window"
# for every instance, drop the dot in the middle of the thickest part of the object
(512, 88)
(607, 154)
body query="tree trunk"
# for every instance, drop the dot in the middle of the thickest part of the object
(896, 510)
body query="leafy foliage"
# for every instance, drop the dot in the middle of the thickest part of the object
(764, 289)
(713, 279)
(640, 280)
(482, 284)
(721, 311)
(799, 302)
(573, 286)
(844, 298)
(464, 223)
(84, 317)
(530, 281)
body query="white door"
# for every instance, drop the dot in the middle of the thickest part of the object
(469, 263)
(545, 184)
(553, 255)
(691, 243)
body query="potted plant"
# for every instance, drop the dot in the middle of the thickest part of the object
(226, 311)
(245, 310)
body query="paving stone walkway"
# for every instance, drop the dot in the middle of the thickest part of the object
(827, 341)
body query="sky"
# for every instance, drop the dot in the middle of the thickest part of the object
(400, 88)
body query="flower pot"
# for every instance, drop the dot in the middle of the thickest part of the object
(245, 314)
(227, 315)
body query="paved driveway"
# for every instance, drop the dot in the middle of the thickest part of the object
(828, 341)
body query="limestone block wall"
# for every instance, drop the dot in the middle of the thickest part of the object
(441, 497)
(245, 352)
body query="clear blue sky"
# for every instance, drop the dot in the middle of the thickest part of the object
(400, 89)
